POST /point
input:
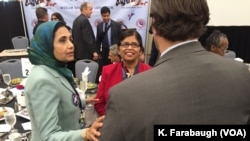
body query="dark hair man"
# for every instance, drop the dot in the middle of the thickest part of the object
(42, 16)
(108, 32)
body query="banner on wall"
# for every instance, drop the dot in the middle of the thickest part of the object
(131, 13)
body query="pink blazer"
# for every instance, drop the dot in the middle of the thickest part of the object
(111, 75)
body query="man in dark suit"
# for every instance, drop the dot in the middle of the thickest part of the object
(42, 16)
(187, 85)
(83, 35)
(108, 32)
(154, 54)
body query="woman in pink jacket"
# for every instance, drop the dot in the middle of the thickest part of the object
(129, 48)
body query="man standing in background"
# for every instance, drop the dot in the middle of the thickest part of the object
(108, 32)
(42, 16)
(154, 55)
(83, 35)
(217, 42)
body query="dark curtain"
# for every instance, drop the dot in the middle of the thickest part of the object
(11, 23)
(239, 39)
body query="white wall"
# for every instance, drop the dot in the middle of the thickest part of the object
(229, 12)
(222, 13)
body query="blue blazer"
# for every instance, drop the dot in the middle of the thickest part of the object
(53, 115)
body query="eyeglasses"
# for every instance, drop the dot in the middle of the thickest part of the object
(223, 49)
(133, 45)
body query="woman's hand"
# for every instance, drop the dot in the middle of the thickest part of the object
(91, 100)
(92, 133)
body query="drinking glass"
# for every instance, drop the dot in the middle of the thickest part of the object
(10, 119)
(84, 87)
(7, 79)
(15, 137)
(84, 83)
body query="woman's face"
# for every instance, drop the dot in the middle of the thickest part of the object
(54, 18)
(63, 46)
(130, 49)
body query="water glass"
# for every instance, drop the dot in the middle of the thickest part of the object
(7, 79)
(15, 137)
(10, 119)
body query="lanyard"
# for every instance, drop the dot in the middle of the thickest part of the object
(77, 102)
(125, 72)
(76, 99)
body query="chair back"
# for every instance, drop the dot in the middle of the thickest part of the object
(230, 54)
(20, 42)
(13, 67)
(82, 64)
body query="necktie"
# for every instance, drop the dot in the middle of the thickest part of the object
(105, 42)
(106, 27)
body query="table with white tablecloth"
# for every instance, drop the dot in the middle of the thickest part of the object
(19, 120)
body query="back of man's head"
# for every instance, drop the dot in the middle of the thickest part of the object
(41, 13)
(179, 20)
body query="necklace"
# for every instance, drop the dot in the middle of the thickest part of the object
(125, 72)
